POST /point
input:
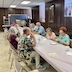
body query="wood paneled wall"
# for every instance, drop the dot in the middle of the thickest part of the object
(59, 19)
(6, 11)
(58, 15)
(35, 13)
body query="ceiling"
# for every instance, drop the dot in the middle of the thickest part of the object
(7, 3)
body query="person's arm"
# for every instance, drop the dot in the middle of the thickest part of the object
(38, 33)
(28, 41)
(17, 39)
(38, 30)
(64, 43)
(46, 35)
(54, 37)
(58, 38)
(34, 42)
(14, 37)
(33, 31)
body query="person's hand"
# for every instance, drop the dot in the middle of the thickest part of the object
(31, 35)
(34, 32)
(57, 40)
(60, 40)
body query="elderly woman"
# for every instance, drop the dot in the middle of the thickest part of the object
(63, 37)
(50, 34)
(13, 38)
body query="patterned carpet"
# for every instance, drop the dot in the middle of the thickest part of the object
(4, 63)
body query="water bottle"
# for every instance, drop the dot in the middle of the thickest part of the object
(39, 40)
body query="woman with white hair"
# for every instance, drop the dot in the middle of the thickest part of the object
(50, 34)
(13, 38)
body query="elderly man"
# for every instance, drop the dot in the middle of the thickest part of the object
(40, 29)
(25, 47)
(33, 27)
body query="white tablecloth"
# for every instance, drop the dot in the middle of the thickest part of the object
(62, 63)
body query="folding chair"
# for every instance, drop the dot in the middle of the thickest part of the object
(10, 52)
(16, 56)
(70, 43)
(18, 67)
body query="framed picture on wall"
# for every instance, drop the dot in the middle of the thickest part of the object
(51, 14)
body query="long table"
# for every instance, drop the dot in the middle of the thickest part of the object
(62, 63)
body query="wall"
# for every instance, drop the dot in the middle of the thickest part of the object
(42, 12)
(59, 19)
(35, 13)
(58, 14)
(38, 13)
(6, 11)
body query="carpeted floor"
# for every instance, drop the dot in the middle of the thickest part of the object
(4, 63)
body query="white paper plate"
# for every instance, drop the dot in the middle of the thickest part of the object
(53, 43)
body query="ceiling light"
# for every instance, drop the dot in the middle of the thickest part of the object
(12, 6)
(25, 2)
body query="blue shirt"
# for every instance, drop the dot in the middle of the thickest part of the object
(41, 30)
(35, 28)
(65, 38)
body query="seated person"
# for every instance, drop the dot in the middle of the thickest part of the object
(63, 37)
(23, 23)
(25, 48)
(40, 29)
(13, 26)
(20, 29)
(13, 38)
(33, 27)
(50, 34)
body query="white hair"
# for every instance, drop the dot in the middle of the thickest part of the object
(12, 30)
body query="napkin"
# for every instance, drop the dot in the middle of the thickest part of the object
(53, 55)
(53, 43)
(69, 53)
